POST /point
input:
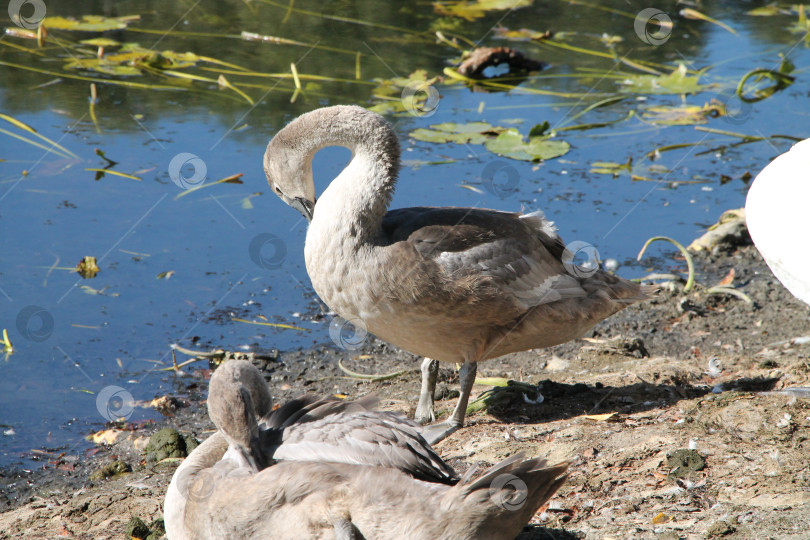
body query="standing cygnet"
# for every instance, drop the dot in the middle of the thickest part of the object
(778, 220)
(451, 284)
(350, 475)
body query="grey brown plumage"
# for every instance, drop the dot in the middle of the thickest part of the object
(343, 472)
(451, 284)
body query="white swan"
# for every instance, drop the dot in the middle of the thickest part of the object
(451, 284)
(777, 215)
(347, 475)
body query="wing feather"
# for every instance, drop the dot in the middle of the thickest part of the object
(521, 255)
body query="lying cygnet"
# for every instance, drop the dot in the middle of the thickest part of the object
(216, 457)
(331, 487)
(451, 284)
(778, 220)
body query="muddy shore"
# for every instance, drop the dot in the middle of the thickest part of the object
(692, 435)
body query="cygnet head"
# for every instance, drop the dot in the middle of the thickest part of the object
(237, 393)
(288, 164)
(288, 158)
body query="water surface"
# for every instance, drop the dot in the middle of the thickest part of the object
(83, 336)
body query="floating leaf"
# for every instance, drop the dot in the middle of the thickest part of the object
(87, 267)
(473, 132)
(87, 289)
(165, 59)
(471, 188)
(617, 169)
(224, 83)
(609, 167)
(766, 11)
(689, 13)
(90, 23)
(677, 82)
(420, 93)
(510, 144)
(233, 179)
(523, 34)
(101, 42)
(471, 10)
(134, 60)
(685, 115)
(22, 125)
(8, 348)
(539, 130)
(109, 171)
(113, 64)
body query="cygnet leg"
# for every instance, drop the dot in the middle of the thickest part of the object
(424, 410)
(437, 432)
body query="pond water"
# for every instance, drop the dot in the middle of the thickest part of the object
(180, 267)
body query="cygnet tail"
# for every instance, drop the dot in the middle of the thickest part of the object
(645, 293)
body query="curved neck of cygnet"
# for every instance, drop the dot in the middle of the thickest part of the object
(359, 197)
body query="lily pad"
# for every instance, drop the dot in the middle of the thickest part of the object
(133, 61)
(89, 23)
(473, 132)
(677, 82)
(507, 142)
(102, 65)
(412, 93)
(100, 42)
(510, 144)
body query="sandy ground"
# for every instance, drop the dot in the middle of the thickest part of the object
(686, 374)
